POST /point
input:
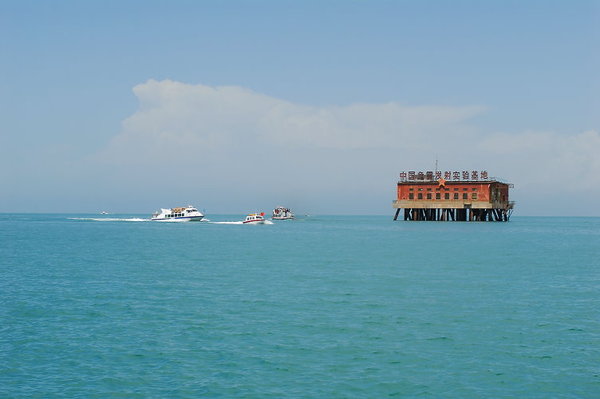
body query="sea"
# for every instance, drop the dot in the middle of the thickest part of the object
(116, 306)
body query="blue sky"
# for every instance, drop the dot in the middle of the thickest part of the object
(519, 76)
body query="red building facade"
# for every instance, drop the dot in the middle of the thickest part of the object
(479, 199)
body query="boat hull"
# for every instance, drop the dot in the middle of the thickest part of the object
(179, 219)
(255, 222)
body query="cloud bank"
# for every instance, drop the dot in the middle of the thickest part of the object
(220, 117)
(232, 140)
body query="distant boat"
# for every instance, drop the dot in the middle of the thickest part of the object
(281, 213)
(180, 214)
(104, 213)
(255, 218)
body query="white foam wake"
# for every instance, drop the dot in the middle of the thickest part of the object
(112, 219)
(240, 222)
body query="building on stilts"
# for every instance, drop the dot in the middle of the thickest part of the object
(452, 196)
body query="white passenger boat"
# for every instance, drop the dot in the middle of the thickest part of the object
(281, 213)
(181, 214)
(255, 218)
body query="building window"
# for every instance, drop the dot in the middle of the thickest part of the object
(465, 189)
(447, 196)
(437, 195)
(428, 189)
(428, 195)
(456, 189)
(455, 195)
(411, 196)
(420, 195)
(411, 189)
(474, 196)
(465, 196)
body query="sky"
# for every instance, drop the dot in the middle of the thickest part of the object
(239, 106)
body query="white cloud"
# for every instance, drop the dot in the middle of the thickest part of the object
(230, 138)
(361, 125)
(541, 159)
(214, 118)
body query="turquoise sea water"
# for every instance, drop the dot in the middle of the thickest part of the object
(322, 307)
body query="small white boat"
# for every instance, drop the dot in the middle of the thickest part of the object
(180, 214)
(255, 218)
(281, 213)
(104, 213)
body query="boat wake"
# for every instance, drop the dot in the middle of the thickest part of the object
(112, 219)
(240, 222)
(160, 221)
